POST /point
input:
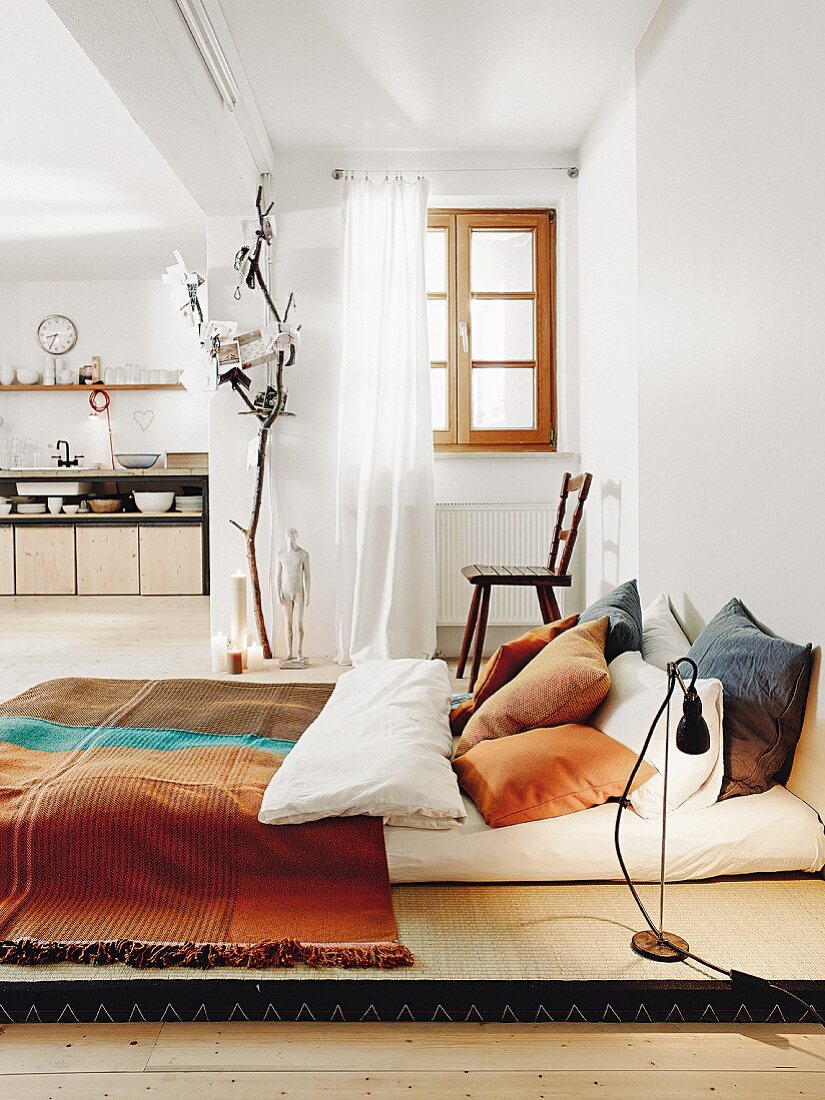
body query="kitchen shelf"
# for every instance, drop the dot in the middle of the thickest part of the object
(97, 517)
(39, 387)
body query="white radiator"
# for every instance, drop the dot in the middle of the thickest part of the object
(490, 534)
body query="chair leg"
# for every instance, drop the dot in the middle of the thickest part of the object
(552, 605)
(480, 634)
(469, 630)
(545, 610)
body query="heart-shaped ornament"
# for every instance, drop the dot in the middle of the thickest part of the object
(143, 418)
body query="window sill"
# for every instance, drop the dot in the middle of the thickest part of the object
(500, 452)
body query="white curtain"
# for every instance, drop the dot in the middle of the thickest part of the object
(386, 515)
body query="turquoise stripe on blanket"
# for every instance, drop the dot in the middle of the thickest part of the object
(42, 736)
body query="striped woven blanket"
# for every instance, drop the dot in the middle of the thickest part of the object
(129, 833)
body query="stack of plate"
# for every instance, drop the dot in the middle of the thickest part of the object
(189, 504)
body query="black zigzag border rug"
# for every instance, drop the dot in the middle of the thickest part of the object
(202, 999)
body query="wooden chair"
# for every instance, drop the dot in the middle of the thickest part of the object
(545, 579)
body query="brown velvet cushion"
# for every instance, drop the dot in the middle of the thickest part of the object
(545, 773)
(507, 661)
(565, 682)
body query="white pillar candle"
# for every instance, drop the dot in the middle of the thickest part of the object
(238, 634)
(219, 652)
(255, 658)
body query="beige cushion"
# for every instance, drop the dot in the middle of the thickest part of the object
(505, 664)
(564, 683)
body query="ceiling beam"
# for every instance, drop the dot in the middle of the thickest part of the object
(144, 50)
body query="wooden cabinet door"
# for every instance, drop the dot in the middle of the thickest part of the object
(44, 560)
(107, 560)
(170, 560)
(6, 561)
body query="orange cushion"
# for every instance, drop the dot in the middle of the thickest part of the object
(546, 773)
(507, 661)
(563, 683)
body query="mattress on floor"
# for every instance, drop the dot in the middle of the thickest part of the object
(757, 833)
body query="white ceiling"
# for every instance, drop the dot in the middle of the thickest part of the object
(433, 74)
(83, 192)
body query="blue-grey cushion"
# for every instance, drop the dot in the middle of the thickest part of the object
(766, 686)
(624, 610)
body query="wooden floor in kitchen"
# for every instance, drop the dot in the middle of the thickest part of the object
(42, 638)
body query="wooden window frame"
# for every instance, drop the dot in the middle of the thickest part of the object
(460, 436)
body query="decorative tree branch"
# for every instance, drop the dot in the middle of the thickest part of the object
(251, 531)
(266, 414)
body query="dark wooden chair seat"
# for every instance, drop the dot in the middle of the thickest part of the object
(544, 578)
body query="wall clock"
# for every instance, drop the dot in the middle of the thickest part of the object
(56, 334)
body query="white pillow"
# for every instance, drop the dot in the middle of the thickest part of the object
(380, 747)
(637, 690)
(663, 640)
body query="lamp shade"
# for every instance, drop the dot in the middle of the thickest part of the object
(692, 734)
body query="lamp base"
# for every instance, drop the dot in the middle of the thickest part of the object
(650, 945)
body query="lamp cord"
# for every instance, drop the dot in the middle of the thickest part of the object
(738, 977)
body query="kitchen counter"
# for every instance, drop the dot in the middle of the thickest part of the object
(74, 473)
(113, 553)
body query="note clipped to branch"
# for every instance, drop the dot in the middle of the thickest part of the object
(256, 347)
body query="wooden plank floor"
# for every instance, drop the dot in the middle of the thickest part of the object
(419, 1060)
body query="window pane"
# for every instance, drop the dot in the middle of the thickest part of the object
(502, 329)
(438, 393)
(501, 260)
(437, 325)
(503, 397)
(436, 261)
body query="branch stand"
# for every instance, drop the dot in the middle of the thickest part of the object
(274, 405)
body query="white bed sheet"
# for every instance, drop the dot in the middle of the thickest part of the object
(768, 832)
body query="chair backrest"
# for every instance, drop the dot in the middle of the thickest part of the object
(579, 484)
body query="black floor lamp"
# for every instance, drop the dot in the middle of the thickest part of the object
(692, 738)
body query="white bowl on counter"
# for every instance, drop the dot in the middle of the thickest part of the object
(28, 376)
(154, 502)
(71, 509)
(137, 461)
(5, 508)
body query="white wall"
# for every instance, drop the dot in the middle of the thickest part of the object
(608, 340)
(731, 217)
(307, 202)
(123, 321)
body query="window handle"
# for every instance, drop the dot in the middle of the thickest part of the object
(462, 332)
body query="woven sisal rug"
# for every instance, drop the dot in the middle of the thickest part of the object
(128, 823)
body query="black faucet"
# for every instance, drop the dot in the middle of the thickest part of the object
(65, 461)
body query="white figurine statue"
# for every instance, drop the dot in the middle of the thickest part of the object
(293, 580)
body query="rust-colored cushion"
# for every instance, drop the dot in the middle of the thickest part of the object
(565, 682)
(545, 773)
(507, 661)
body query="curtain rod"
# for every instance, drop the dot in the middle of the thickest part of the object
(571, 170)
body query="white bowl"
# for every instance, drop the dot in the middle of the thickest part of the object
(71, 509)
(154, 502)
(5, 508)
(137, 462)
(28, 376)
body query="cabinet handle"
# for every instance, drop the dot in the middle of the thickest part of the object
(462, 332)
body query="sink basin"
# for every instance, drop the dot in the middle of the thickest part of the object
(53, 488)
(64, 484)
